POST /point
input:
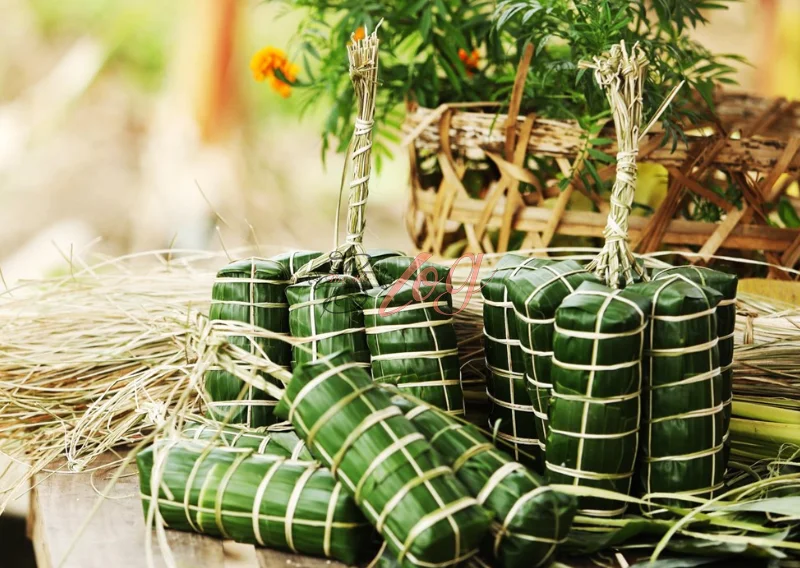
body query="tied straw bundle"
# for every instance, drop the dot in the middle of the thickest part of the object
(621, 74)
(352, 256)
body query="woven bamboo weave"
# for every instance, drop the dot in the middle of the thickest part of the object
(464, 185)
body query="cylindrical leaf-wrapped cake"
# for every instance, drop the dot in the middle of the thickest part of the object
(726, 285)
(509, 402)
(597, 379)
(682, 431)
(266, 500)
(425, 515)
(535, 296)
(531, 519)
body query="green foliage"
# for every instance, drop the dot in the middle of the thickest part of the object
(419, 57)
(566, 33)
(420, 60)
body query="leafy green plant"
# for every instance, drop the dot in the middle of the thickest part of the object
(427, 44)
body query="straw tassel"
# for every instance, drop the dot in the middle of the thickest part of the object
(621, 74)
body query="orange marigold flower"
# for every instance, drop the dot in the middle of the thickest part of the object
(470, 60)
(359, 34)
(270, 59)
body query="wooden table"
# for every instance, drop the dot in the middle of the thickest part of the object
(115, 535)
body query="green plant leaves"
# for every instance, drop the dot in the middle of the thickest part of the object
(420, 59)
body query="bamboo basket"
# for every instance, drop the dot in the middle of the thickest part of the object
(471, 174)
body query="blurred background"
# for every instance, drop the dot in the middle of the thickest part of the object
(135, 124)
(129, 125)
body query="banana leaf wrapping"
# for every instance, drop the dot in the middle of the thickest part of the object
(509, 402)
(237, 494)
(389, 269)
(535, 296)
(295, 260)
(595, 407)
(425, 515)
(378, 255)
(530, 518)
(413, 342)
(681, 439)
(251, 291)
(275, 440)
(327, 313)
(726, 284)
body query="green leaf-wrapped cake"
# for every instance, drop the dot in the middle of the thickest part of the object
(535, 296)
(597, 379)
(250, 291)
(266, 500)
(726, 285)
(531, 519)
(326, 313)
(682, 431)
(509, 402)
(425, 515)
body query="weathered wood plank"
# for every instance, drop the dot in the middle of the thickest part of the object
(275, 559)
(115, 535)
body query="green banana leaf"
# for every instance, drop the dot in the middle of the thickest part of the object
(327, 313)
(413, 343)
(682, 433)
(726, 285)
(276, 440)
(295, 260)
(389, 270)
(251, 291)
(597, 381)
(237, 494)
(425, 515)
